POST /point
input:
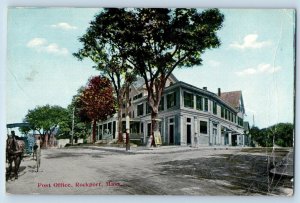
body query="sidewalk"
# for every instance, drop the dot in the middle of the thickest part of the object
(158, 150)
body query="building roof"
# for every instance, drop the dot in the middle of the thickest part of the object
(140, 81)
(232, 98)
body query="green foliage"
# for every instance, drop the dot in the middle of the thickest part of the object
(44, 118)
(24, 130)
(154, 41)
(280, 134)
(150, 43)
(82, 124)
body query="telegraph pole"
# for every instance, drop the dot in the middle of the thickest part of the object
(127, 133)
(72, 134)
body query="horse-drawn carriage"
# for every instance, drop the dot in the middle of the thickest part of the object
(17, 147)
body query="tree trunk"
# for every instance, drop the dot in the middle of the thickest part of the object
(94, 131)
(154, 100)
(154, 123)
(120, 136)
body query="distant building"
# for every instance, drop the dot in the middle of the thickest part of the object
(188, 115)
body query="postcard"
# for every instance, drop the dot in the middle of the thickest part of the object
(150, 101)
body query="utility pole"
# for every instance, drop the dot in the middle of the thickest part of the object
(72, 135)
(127, 133)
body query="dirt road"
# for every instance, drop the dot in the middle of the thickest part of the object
(198, 172)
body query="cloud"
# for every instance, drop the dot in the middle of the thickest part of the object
(250, 42)
(31, 75)
(36, 42)
(64, 26)
(41, 45)
(54, 48)
(262, 68)
(213, 63)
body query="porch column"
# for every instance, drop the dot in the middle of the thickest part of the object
(243, 137)
(195, 137)
(229, 139)
(165, 130)
(144, 131)
(117, 130)
(182, 140)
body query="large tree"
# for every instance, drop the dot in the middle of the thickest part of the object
(281, 134)
(109, 62)
(153, 42)
(120, 75)
(44, 118)
(97, 101)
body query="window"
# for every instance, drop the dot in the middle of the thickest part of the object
(240, 121)
(100, 132)
(135, 127)
(171, 100)
(188, 120)
(199, 103)
(161, 104)
(203, 127)
(138, 96)
(142, 127)
(222, 112)
(140, 109)
(148, 108)
(114, 129)
(234, 118)
(226, 114)
(171, 120)
(214, 107)
(109, 128)
(188, 100)
(149, 129)
(205, 104)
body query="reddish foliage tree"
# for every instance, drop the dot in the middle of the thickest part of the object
(97, 101)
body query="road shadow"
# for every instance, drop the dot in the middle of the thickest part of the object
(246, 172)
(21, 172)
(62, 155)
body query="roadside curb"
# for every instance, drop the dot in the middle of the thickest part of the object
(155, 150)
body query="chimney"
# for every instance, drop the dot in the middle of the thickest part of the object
(219, 92)
(205, 88)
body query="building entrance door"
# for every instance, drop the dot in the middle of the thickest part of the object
(214, 141)
(171, 134)
(234, 140)
(188, 134)
(226, 139)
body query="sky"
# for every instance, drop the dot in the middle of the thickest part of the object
(256, 56)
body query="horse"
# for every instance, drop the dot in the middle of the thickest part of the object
(14, 153)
